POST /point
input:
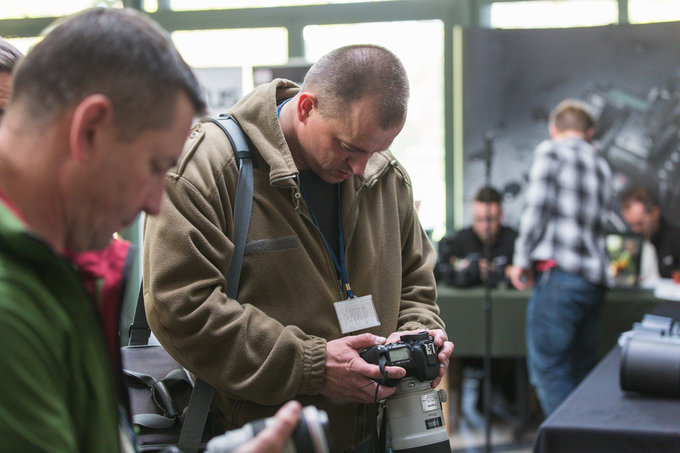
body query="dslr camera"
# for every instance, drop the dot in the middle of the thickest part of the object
(417, 354)
(415, 419)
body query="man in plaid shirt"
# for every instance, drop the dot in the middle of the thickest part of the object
(561, 251)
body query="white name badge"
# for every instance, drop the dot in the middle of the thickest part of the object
(357, 313)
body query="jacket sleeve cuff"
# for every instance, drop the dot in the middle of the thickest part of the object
(314, 366)
(412, 325)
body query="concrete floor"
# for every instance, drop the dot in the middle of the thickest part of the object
(468, 434)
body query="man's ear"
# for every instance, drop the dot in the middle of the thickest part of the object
(306, 103)
(90, 118)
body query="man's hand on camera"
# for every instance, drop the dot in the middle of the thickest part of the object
(440, 340)
(273, 438)
(348, 376)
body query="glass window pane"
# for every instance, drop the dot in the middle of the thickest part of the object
(49, 8)
(420, 145)
(183, 5)
(24, 44)
(256, 46)
(645, 11)
(553, 14)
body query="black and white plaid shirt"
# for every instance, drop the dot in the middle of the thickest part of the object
(567, 208)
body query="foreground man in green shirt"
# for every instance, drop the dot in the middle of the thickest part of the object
(99, 111)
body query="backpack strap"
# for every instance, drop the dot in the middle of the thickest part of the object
(202, 395)
(139, 332)
(243, 200)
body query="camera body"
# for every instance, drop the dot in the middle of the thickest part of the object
(415, 419)
(416, 353)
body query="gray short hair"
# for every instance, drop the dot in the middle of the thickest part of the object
(119, 53)
(355, 72)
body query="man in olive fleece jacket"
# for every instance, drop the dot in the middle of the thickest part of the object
(333, 216)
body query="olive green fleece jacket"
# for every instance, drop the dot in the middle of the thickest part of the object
(268, 346)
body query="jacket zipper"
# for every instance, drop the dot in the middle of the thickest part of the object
(297, 197)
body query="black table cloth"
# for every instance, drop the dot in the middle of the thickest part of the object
(599, 417)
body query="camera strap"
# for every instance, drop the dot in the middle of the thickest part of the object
(381, 437)
(382, 361)
(381, 431)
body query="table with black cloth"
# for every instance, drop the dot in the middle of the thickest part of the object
(600, 417)
(462, 310)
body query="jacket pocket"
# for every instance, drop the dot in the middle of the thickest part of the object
(272, 245)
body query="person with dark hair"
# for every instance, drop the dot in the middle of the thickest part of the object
(561, 247)
(642, 213)
(461, 255)
(333, 217)
(87, 138)
(9, 56)
(462, 263)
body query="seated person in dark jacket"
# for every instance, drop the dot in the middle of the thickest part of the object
(461, 263)
(641, 212)
(461, 255)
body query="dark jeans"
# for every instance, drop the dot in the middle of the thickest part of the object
(563, 321)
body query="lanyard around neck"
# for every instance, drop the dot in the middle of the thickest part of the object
(278, 109)
(339, 263)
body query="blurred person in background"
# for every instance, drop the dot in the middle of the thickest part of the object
(561, 247)
(461, 255)
(641, 211)
(9, 57)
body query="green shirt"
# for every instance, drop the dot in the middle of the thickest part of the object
(56, 385)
